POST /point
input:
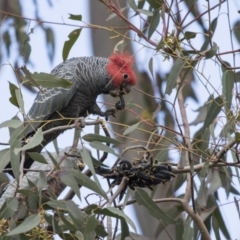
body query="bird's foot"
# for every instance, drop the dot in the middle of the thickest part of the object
(110, 112)
(80, 123)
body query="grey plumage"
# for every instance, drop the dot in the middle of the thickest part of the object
(90, 76)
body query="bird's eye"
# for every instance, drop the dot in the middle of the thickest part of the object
(125, 76)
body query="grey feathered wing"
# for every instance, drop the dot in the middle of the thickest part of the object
(50, 100)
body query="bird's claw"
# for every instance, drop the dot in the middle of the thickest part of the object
(110, 112)
(80, 123)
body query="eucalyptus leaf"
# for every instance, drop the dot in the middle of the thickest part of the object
(96, 137)
(28, 224)
(73, 36)
(131, 128)
(143, 198)
(174, 74)
(34, 141)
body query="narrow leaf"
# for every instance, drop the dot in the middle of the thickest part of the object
(37, 157)
(19, 98)
(145, 12)
(46, 80)
(143, 199)
(28, 224)
(9, 208)
(188, 230)
(153, 23)
(227, 88)
(34, 141)
(113, 212)
(75, 17)
(26, 50)
(70, 181)
(42, 180)
(13, 98)
(132, 4)
(213, 111)
(85, 181)
(212, 51)
(96, 137)
(189, 35)
(131, 128)
(73, 36)
(212, 29)
(13, 123)
(88, 160)
(100, 146)
(173, 75)
(5, 158)
(91, 224)
(236, 30)
(221, 223)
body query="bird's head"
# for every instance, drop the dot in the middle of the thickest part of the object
(122, 75)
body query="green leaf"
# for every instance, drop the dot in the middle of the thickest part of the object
(75, 17)
(143, 198)
(189, 35)
(9, 208)
(212, 51)
(213, 111)
(42, 180)
(70, 181)
(150, 66)
(145, 12)
(216, 228)
(237, 137)
(7, 40)
(153, 23)
(212, 29)
(100, 231)
(37, 157)
(102, 147)
(28, 224)
(188, 230)
(227, 88)
(45, 80)
(34, 141)
(96, 137)
(73, 36)
(19, 98)
(67, 221)
(13, 98)
(113, 15)
(124, 229)
(131, 128)
(13, 123)
(113, 212)
(49, 34)
(91, 224)
(132, 4)
(57, 204)
(174, 74)
(26, 50)
(85, 181)
(236, 30)
(5, 158)
(55, 163)
(221, 223)
(205, 143)
(156, 4)
(88, 160)
(74, 211)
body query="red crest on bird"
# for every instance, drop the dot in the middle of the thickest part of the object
(120, 69)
